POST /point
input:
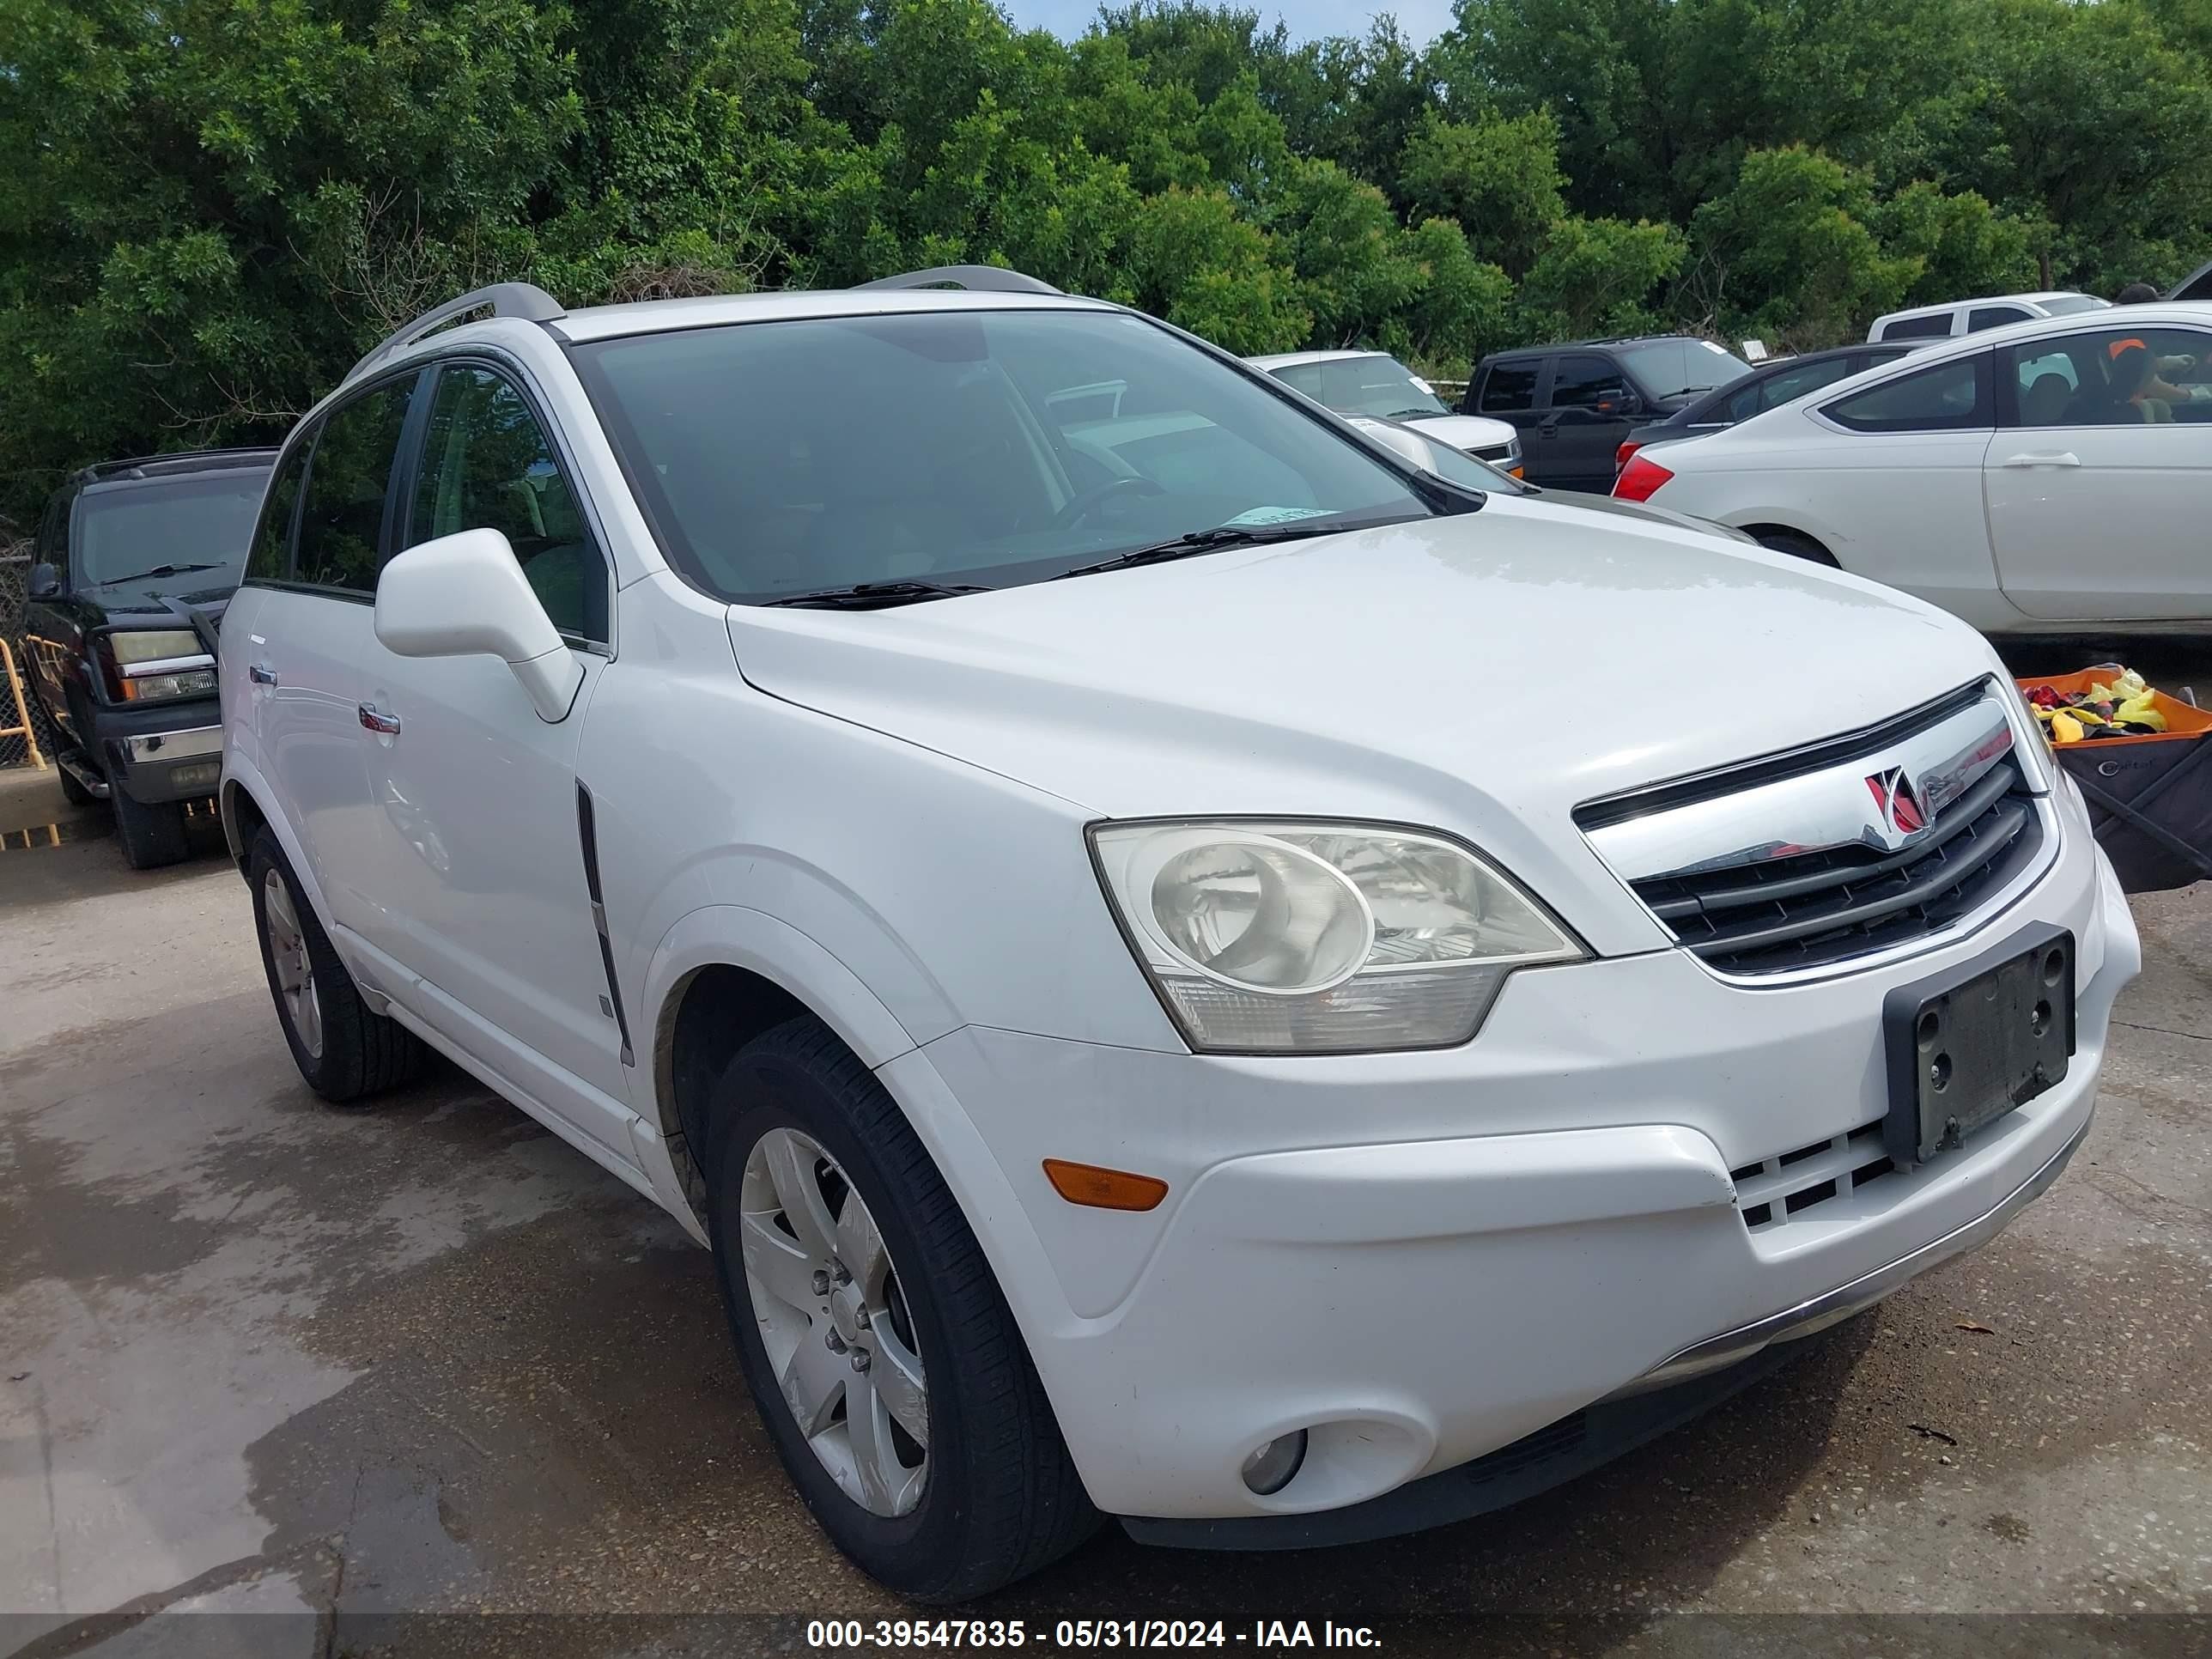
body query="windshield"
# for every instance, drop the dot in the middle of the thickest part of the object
(1370, 384)
(1667, 369)
(126, 528)
(2067, 304)
(956, 448)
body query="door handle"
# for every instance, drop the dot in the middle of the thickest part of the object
(375, 720)
(261, 674)
(2055, 457)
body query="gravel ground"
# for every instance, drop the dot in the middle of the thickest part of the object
(316, 1377)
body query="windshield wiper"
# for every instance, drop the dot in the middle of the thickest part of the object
(1415, 414)
(1682, 391)
(158, 570)
(1219, 538)
(875, 596)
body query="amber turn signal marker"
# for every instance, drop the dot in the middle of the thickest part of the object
(1104, 1189)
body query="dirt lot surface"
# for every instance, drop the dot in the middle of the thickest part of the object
(333, 1371)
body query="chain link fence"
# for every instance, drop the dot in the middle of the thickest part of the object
(16, 749)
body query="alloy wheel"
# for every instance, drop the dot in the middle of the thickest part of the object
(296, 973)
(835, 1321)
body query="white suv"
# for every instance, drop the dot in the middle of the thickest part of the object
(1185, 967)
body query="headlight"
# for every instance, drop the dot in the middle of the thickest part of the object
(154, 645)
(1284, 938)
(157, 664)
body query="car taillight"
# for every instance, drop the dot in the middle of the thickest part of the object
(1628, 447)
(1640, 479)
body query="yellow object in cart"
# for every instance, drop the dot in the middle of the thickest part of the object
(2065, 728)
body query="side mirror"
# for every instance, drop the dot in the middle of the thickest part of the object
(464, 596)
(45, 582)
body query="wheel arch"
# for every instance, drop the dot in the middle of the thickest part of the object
(1759, 529)
(722, 975)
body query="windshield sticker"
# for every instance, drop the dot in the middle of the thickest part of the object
(1277, 515)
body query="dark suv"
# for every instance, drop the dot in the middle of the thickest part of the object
(1573, 404)
(134, 562)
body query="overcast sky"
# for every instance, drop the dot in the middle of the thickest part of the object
(1421, 19)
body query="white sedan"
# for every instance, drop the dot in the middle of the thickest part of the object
(2049, 476)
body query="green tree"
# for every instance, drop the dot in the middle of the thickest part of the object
(1499, 176)
(1788, 252)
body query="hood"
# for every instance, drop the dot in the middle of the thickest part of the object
(1464, 431)
(1482, 673)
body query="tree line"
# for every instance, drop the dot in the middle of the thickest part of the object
(209, 208)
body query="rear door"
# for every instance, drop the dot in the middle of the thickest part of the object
(2097, 492)
(308, 645)
(1583, 421)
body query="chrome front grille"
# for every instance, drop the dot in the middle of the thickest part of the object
(1851, 846)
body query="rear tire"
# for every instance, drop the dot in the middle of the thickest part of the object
(994, 1496)
(152, 836)
(345, 1052)
(1798, 547)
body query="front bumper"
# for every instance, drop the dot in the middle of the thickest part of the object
(1421, 1259)
(162, 754)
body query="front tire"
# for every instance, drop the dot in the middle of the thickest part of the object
(343, 1051)
(884, 1360)
(73, 792)
(152, 836)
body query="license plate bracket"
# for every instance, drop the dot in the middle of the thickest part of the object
(1968, 1045)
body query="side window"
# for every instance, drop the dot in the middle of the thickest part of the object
(1509, 388)
(342, 517)
(1933, 328)
(1953, 396)
(2116, 376)
(1582, 382)
(487, 464)
(269, 559)
(1981, 316)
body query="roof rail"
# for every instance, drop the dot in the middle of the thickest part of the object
(525, 300)
(976, 279)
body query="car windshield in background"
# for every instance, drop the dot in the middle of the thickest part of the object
(1368, 385)
(128, 531)
(957, 448)
(1668, 368)
(2067, 304)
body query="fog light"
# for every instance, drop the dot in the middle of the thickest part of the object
(200, 776)
(1269, 1469)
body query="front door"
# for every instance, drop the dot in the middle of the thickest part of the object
(1584, 419)
(2099, 482)
(474, 795)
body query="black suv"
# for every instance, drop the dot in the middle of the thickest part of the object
(1575, 403)
(135, 561)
